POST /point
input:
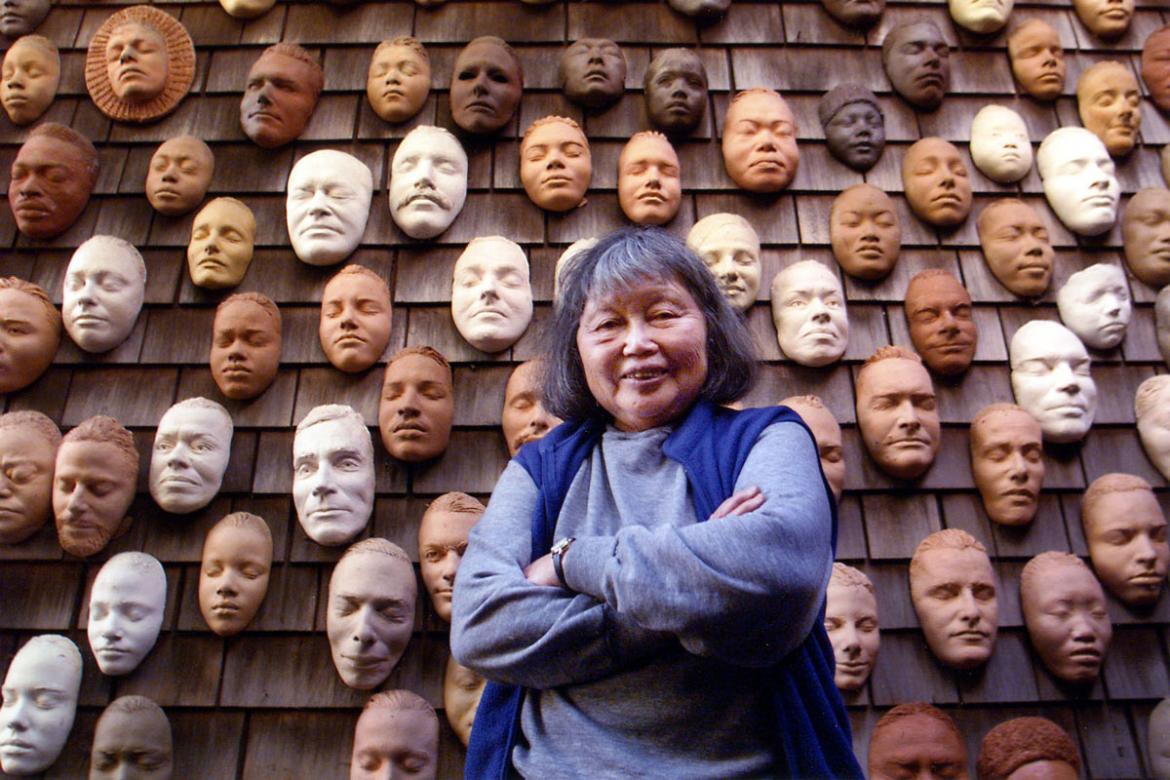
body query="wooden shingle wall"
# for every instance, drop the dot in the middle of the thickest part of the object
(268, 703)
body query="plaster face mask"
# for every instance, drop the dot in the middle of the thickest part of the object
(486, 82)
(864, 232)
(917, 745)
(759, 141)
(999, 144)
(491, 298)
(1109, 103)
(416, 409)
(136, 62)
(40, 700)
(462, 690)
(676, 91)
(1037, 59)
(942, 330)
(917, 61)
(29, 78)
(1159, 740)
(20, 17)
(333, 476)
(855, 13)
(567, 257)
(93, 487)
(730, 248)
(524, 417)
(827, 433)
(555, 164)
(370, 615)
(355, 320)
(223, 236)
(593, 72)
(442, 540)
(1051, 380)
(1095, 305)
(29, 336)
(399, 79)
(851, 621)
(1007, 460)
(328, 203)
(808, 310)
(233, 575)
(179, 175)
(245, 349)
(1152, 405)
(1079, 180)
(1015, 244)
(937, 185)
(132, 741)
(279, 97)
(700, 9)
(126, 609)
(191, 450)
(1106, 19)
(50, 186)
(649, 187)
(856, 133)
(954, 595)
(897, 413)
(981, 16)
(392, 741)
(1145, 228)
(26, 477)
(1064, 610)
(105, 283)
(428, 182)
(1155, 67)
(1126, 534)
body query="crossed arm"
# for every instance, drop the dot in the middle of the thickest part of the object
(744, 589)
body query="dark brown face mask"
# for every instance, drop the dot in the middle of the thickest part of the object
(676, 91)
(50, 185)
(855, 13)
(917, 61)
(486, 84)
(593, 72)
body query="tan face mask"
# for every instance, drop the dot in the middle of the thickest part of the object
(1007, 460)
(179, 175)
(954, 591)
(399, 79)
(462, 690)
(93, 487)
(827, 432)
(897, 413)
(1015, 245)
(864, 232)
(356, 313)
(233, 577)
(245, 349)
(1145, 228)
(936, 181)
(555, 164)
(417, 406)
(27, 457)
(223, 234)
(649, 183)
(759, 141)
(29, 78)
(30, 339)
(1037, 59)
(1064, 610)
(1109, 103)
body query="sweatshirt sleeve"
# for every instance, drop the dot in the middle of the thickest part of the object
(513, 631)
(744, 589)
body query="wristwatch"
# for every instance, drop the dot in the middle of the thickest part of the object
(558, 551)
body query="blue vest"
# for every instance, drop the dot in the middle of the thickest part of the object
(812, 728)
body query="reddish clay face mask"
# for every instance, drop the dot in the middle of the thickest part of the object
(1007, 460)
(936, 181)
(93, 485)
(417, 406)
(942, 329)
(245, 345)
(1015, 245)
(52, 177)
(28, 450)
(486, 82)
(897, 413)
(555, 163)
(280, 95)
(233, 576)
(759, 141)
(1109, 103)
(31, 334)
(864, 232)
(355, 319)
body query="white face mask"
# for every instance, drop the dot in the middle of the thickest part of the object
(1153, 422)
(1000, 147)
(191, 451)
(981, 16)
(1095, 305)
(808, 310)
(730, 249)
(327, 206)
(40, 700)
(1051, 380)
(428, 182)
(333, 478)
(126, 607)
(104, 287)
(1079, 180)
(491, 297)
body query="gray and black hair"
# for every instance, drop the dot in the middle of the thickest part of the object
(617, 261)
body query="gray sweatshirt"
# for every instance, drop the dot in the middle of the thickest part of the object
(649, 666)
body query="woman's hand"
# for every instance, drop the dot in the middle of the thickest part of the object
(541, 572)
(740, 503)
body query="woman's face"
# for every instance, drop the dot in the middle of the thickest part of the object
(644, 352)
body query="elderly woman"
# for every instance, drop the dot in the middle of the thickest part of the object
(648, 642)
